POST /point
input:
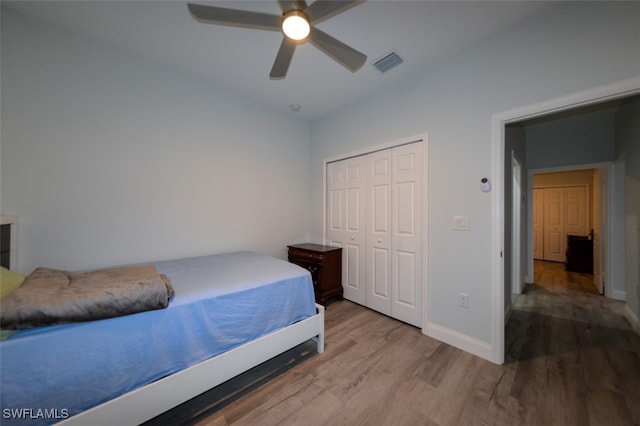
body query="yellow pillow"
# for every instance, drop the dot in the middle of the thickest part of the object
(9, 281)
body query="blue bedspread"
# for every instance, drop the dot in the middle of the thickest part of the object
(221, 302)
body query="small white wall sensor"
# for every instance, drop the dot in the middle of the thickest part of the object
(485, 185)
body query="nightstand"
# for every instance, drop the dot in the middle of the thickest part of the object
(325, 265)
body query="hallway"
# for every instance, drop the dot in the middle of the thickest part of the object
(575, 352)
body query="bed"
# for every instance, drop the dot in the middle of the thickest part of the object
(230, 312)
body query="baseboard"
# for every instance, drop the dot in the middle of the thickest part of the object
(619, 295)
(461, 341)
(507, 313)
(512, 302)
(633, 319)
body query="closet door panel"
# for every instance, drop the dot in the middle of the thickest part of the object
(575, 210)
(352, 279)
(538, 224)
(355, 237)
(407, 230)
(345, 210)
(380, 274)
(554, 244)
(335, 201)
(379, 232)
(380, 210)
(406, 220)
(405, 273)
(335, 211)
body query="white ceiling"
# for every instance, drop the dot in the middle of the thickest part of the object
(239, 59)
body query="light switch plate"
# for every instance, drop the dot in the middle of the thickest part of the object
(461, 223)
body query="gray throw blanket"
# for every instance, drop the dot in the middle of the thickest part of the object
(52, 296)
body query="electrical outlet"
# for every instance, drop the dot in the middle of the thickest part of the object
(463, 300)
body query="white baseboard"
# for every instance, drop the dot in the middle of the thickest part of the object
(507, 313)
(619, 295)
(633, 319)
(461, 341)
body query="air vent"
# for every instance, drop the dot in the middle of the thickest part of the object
(388, 61)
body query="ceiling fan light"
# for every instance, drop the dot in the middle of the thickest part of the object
(295, 25)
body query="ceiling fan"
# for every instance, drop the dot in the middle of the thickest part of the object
(297, 15)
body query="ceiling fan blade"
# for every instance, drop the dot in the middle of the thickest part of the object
(283, 59)
(340, 52)
(321, 10)
(287, 5)
(236, 18)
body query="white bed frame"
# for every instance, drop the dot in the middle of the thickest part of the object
(149, 401)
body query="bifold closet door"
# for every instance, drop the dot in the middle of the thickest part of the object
(379, 236)
(538, 224)
(408, 233)
(375, 213)
(554, 244)
(564, 212)
(346, 223)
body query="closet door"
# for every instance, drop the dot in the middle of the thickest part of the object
(554, 236)
(576, 214)
(538, 224)
(346, 222)
(375, 210)
(408, 230)
(379, 231)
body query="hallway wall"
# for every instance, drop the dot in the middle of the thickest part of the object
(628, 150)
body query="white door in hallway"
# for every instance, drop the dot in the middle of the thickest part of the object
(558, 212)
(554, 244)
(538, 223)
(575, 210)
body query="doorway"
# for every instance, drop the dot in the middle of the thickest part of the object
(566, 218)
(593, 97)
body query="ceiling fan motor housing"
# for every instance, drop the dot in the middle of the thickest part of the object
(295, 25)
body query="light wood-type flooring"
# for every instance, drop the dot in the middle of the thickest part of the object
(570, 359)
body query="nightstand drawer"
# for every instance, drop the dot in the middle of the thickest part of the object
(304, 254)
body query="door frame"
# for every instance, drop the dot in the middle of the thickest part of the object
(516, 224)
(595, 95)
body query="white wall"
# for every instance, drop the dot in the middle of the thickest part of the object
(573, 48)
(109, 159)
(628, 151)
(586, 137)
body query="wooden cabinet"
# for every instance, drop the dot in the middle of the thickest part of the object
(579, 254)
(325, 265)
(5, 245)
(8, 240)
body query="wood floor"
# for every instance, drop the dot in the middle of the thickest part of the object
(571, 359)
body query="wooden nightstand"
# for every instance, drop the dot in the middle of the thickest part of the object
(325, 265)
